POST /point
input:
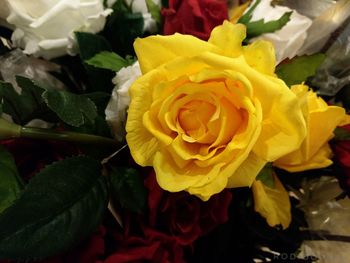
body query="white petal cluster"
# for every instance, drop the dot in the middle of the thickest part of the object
(116, 110)
(289, 39)
(45, 28)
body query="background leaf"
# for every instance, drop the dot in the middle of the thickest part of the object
(60, 206)
(27, 105)
(11, 183)
(107, 60)
(154, 9)
(90, 45)
(127, 188)
(299, 69)
(73, 109)
(259, 27)
(121, 29)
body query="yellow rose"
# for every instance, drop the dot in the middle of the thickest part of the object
(209, 115)
(321, 120)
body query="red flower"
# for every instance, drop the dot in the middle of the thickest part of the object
(194, 17)
(147, 245)
(182, 215)
(341, 151)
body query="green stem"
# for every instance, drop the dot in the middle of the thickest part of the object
(39, 133)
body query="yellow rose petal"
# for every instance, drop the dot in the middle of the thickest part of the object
(142, 143)
(321, 121)
(320, 159)
(272, 204)
(247, 172)
(154, 51)
(228, 37)
(260, 55)
(173, 179)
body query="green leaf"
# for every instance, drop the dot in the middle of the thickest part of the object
(107, 60)
(341, 134)
(89, 45)
(100, 99)
(11, 183)
(60, 206)
(154, 9)
(73, 109)
(27, 105)
(259, 27)
(299, 69)
(266, 176)
(122, 29)
(248, 15)
(128, 189)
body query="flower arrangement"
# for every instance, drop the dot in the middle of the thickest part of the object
(171, 131)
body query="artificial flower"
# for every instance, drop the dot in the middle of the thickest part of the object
(209, 115)
(119, 102)
(183, 216)
(194, 17)
(290, 38)
(321, 120)
(46, 28)
(150, 246)
(272, 203)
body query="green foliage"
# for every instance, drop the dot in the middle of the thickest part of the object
(266, 176)
(122, 27)
(256, 28)
(107, 60)
(89, 45)
(60, 206)
(259, 27)
(71, 108)
(127, 188)
(341, 134)
(299, 69)
(154, 10)
(245, 19)
(25, 106)
(11, 183)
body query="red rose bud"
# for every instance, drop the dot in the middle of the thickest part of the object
(194, 17)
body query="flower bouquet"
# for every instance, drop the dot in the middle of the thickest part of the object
(174, 131)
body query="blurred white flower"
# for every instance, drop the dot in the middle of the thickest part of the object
(46, 28)
(140, 6)
(289, 39)
(120, 100)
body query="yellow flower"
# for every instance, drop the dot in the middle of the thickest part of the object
(209, 115)
(321, 120)
(272, 203)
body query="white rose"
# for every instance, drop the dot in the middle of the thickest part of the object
(46, 27)
(289, 39)
(120, 100)
(140, 6)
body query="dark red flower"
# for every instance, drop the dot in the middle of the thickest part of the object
(185, 216)
(140, 243)
(194, 17)
(341, 151)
